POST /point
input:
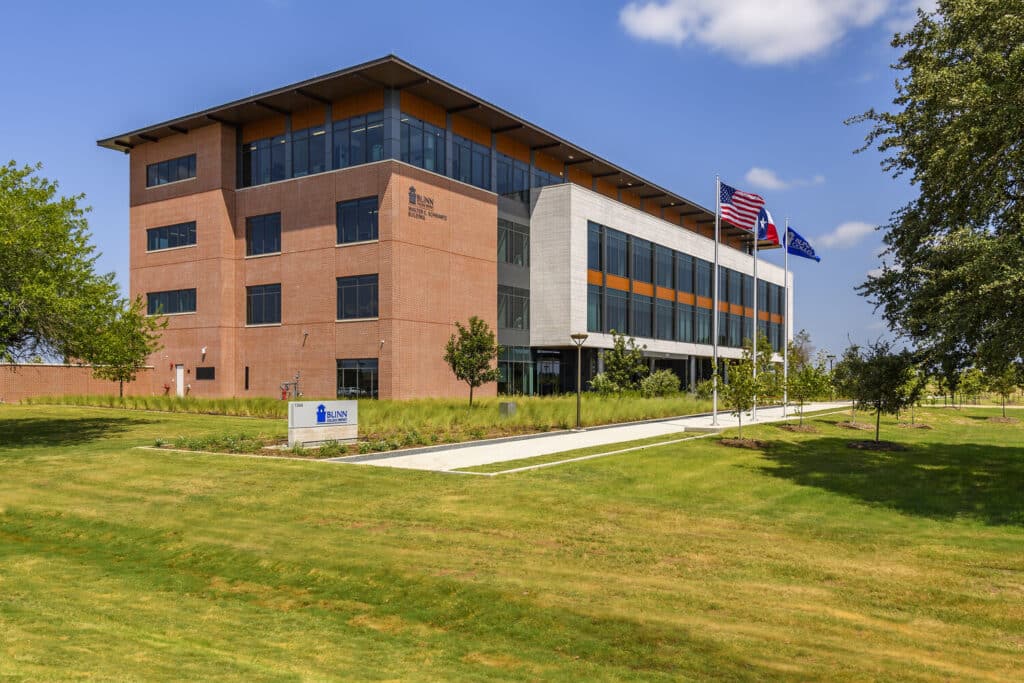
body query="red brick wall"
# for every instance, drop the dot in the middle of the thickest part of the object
(26, 381)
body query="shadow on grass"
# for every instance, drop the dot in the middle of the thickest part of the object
(72, 431)
(938, 481)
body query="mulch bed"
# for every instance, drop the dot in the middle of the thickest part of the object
(887, 446)
(862, 426)
(804, 429)
(1004, 420)
(916, 425)
(744, 443)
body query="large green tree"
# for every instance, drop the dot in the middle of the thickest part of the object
(52, 301)
(954, 283)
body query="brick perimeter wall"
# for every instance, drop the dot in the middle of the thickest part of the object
(18, 382)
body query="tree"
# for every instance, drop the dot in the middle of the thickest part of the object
(740, 391)
(52, 301)
(846, 374)
(1004, 382)
(126, 343)
(806, 381)
(801, 349)
(972, 383)
(955, 284)
(470, 353)
(624, 363)
(883, 381)
(769, 373)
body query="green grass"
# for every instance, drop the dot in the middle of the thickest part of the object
(693, 561)
(386, 425)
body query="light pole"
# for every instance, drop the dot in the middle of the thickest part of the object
(831, 384)
(578, 338)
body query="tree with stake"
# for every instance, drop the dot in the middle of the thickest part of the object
(741, 389)
(806, 381)
(883, 380)
(126, 343)
(471, 352)
(845, 376)
(1004, 382)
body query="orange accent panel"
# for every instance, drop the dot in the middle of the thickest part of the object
(548, 163)
(580, 177)
(595, 277)
(736, 310)
(664, 293)
(776, 318)
(704, 302)
(307, 118)
(606, 188)
(263, 129)
(616, 282)
(512, 148)
(687, 298)
(471, 130)
(644, 288)
(762, 315)
(652, 207)
(422, 109)
(630, 198)
(355, 105)
(723, 307)
(748, 312)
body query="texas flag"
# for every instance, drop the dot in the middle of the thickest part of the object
(766, 227)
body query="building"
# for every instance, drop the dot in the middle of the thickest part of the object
(333, 230)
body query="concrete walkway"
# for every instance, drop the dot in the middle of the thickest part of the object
(472, 454)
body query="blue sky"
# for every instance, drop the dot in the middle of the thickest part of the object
(674, 90)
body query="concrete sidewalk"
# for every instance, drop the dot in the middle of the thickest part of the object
(447, 458)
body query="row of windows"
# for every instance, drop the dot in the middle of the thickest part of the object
(513, 243)
(171, 171)
(643, 316)
(170, 236)
(360, 140)
(357, 298)
(513, 308)
(617, 253)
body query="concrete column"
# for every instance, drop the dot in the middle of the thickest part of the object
(392, 123)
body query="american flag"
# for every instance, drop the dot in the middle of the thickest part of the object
(740, 208)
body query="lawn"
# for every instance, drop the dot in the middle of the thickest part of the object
(809, 560)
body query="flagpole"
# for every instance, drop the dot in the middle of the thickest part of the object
(757, 228)
(714, 305)
(785, 324)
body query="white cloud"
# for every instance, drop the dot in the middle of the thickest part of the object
(753, 31)
(874, 272)
(846, 235)
(767, 179)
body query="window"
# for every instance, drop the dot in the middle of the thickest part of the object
(205, 373)
(616, 311)
(513, 243)
(263, 161)
(309, 151)
(358, 140)
(471, 162)
(357, 297)
(594, 309)
(735, 287)
(748, 292)
(357, 220)
(594, 241)
(513, 175)
(516, 368)
(702, 325)
(543, 178)
(422, 144)
(684, 327)
(664, 268)
(263, 304)
(357, 378)
(171, 236)
(263, 234)
(684, 273)
(763, 303)
(704, 282)
(616, 253)
(642, 311)
(735, 331)
(723, 329)
(171, 171)
(513, 308)
(642, 260)
(664, 325)
(171, 302)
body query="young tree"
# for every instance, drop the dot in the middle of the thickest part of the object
(972, 383)
(883, 380)
(1004, 382)
(956, 130)
(52, 301)
(624, 363)
(126, 343)
(741, 389)
(846, 374)
(471, 352)
(769, 373)
(801, 350)
(806, 381)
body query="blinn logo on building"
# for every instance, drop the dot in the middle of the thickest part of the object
(416, 199)
(330, 417)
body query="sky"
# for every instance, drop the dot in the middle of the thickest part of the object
(676, 91)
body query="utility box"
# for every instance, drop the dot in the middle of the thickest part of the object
(507, 408)
(311, 423)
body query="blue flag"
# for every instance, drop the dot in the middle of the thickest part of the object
(798, 246)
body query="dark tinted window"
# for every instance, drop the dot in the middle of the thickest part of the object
(422, 144)
(642, 310)
(513, 175)
(263, 161)
(471, 162)
(263, 234)
(309, 151)
(664, 325)
(513, 308)
(263, 304)
(684, 328)
(171, 171)
(684, 273)
(594, 239)
(206, 373)
(641, 260)
(170, 302)
(594, 309)
(170, 236)
(358, 140)
(357, 297)
(616, 253)
(703, 284)
(616, 311)
(513, 243)
(357, 220)
(357, 378)
(664, 268)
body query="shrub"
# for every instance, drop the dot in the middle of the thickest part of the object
(603, 385)
(660, 383)
(705, 389)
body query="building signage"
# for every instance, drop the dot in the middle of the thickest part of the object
(421, 207)
(311, 422)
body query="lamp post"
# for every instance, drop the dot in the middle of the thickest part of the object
(831, 384)
(578, 338)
